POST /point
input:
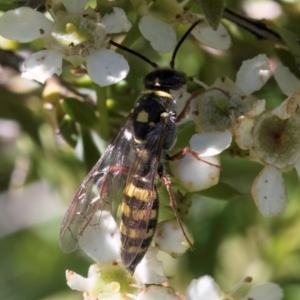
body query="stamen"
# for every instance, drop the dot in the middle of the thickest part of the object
(200, 83)
(131, 296)
(150, 4)
(240, 284)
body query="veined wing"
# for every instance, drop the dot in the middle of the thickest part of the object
(99, 189)
(140, 202)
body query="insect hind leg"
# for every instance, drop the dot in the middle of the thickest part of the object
(167, 182)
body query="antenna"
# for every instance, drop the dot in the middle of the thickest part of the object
(154, 65)
(172, 62)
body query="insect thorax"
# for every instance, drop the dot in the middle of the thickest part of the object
(154, 110)
(165, 79)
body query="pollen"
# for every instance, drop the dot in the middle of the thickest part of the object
(70, 28)
(115, 286)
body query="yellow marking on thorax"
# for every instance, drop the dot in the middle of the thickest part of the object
(163, 94)
(141, 194)
(158, 93)
(143, 117)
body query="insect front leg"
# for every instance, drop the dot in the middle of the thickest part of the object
(186, 109)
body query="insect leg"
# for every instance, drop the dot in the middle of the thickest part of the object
(167, 182)
(186, 109)
(181, 154)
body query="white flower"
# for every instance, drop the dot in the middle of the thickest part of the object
(77, 35)
(199, 174)
(150, 269)
(217, 39)
(102, 242)
(106, 282)
(169, 238)
(162, 35)
(205, 288)
(157, 292)
(273, 139)
(286, 80)
(218, 107)
(265, 291)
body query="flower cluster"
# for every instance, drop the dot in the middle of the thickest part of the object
(214, 111)
(98, 286)
(226, 110)
(271, 136)
(80, 35)
(76, 34)
(108, 279)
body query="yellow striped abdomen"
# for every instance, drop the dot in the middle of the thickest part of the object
(138, 222)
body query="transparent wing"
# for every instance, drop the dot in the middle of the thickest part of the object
(143, 214)
(99, 189)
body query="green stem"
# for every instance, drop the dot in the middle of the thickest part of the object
(102, 109)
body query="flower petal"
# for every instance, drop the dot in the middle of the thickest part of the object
(150, 269)
(170, 239)
(269, 192)
(242, 131)
(106, 67)
(285, 79)
(161, 35)
(196, 175)
(157, 292)
(266, 291)
(253, 74)
(101, 242)
(258, 107)
(74, 6)
(287, 107)
(210, 143)
(204, 288)
(42, 65)
(76, 281)
(217, 39)
(116, 22)
(24, 25)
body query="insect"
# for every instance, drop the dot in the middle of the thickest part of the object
(132, 162)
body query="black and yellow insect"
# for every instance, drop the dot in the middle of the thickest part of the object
(132, 162)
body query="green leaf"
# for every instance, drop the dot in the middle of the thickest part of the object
(213, 11)
(13, 106)
(68, 130)
(90, 151)
(13, 4)
(81, 112)
(292, 42)
(222, 191)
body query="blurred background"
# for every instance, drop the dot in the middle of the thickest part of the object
(47, 147)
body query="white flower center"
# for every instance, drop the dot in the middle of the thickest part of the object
(277, 141)
(76, 35)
